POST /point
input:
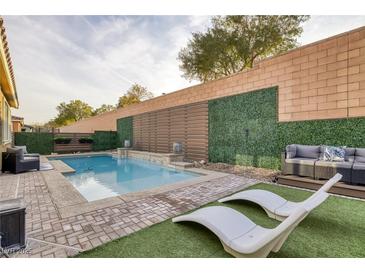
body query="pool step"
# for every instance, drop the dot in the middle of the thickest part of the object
(182, 164)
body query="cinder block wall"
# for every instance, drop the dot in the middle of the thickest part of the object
(322, 80)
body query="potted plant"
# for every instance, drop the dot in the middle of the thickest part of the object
(86, 140)
(62, 140)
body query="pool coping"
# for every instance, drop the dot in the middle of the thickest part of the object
(70, 202)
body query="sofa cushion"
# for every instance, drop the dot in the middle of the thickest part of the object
(291, 151)
(358, 166)
(28, 158)
(343, 164)
(303, 151)
(360, 155)
(301, 161)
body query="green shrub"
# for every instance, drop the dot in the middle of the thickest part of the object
(86, 140)
(62, 140)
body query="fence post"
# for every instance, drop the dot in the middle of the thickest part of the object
(53, 136)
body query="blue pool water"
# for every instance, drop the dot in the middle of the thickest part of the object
(98, 177)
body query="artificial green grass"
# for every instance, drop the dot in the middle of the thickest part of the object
(335, 229)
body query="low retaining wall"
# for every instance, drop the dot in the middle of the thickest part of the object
(159, 158)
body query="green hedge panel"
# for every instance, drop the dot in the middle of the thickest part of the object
(36, 142)
(338, 132)
(243, 129)
(124, 130)
(104, 140)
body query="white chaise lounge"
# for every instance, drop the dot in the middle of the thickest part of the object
(243, 238)
(275, 206)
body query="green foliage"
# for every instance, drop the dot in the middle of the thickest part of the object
(125, 130)
(41, 142)
(71, 112)
(243, 129)
(333, 230)
(104, 140)
(62, 140)
(134, 95)
(102, 109)
(338, 132)
(233, 43)
(86, 140)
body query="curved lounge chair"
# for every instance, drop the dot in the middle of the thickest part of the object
(275, 206)
(243, 238)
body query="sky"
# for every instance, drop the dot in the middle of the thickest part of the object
(97, 58)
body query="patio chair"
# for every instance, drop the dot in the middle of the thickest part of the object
(14, 161)
(275, 206)
(243, 238)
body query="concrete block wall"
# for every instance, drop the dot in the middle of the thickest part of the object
(322, 80)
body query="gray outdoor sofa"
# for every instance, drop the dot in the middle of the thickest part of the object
(306, 161)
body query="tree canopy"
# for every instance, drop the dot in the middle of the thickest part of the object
(103, 108)
(135, 94)
(233, 43)
(72, 112)
(76, 110)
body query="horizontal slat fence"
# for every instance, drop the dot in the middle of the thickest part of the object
(157, 131)
(74, 145)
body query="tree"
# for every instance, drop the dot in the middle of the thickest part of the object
(103, 108)
(233, 43)
(135, 94)
(71, 112)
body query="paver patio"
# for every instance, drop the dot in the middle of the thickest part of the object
(50, 235)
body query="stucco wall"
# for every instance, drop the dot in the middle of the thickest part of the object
(322, 80)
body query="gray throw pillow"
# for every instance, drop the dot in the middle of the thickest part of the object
(18, 151)
(24, 148)
(333, 154)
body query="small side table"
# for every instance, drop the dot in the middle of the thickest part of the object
(12, 223)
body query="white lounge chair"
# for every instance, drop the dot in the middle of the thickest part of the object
(275, 206)
(243, 238)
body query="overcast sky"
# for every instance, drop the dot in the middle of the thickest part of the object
(97, 58)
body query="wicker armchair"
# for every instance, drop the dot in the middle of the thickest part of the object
(16, 162)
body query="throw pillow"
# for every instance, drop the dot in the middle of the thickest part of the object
(334, 154)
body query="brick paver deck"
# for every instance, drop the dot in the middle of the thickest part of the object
(50, 235)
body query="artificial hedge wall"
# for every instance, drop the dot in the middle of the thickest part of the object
(36, 142)
(104, 140)
(338, 132)
(124, 130)
(243, 130)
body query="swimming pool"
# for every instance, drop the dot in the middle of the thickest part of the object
(103, 176)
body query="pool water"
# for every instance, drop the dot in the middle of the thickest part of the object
(99, 177)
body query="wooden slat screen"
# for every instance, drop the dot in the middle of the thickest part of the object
(157, 131)
(74, 145)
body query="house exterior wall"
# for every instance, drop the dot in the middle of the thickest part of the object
(322, 80)
(16, 126)
(8, 94)
(3, 144)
